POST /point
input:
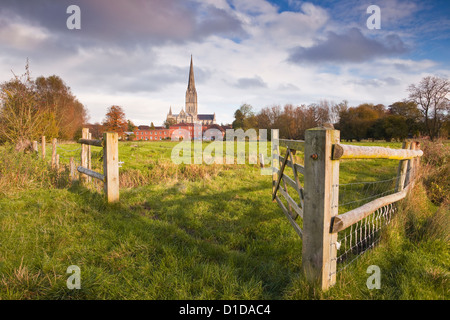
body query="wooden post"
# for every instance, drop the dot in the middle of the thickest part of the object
(84, 151)
(409, 176)
(54, 141)
(35, 147)
(402, 169)
(89, 156)
(43, 147)
(57, 162)
(111, 166)
(275, 158)
(321, 205)
(72, 169)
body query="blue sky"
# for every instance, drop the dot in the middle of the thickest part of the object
(136, 53)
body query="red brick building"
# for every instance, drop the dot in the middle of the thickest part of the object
(180, 131)
(149, 134)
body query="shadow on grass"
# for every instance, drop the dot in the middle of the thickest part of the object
(235, 231)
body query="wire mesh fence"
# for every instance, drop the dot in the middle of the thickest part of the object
(355, 240)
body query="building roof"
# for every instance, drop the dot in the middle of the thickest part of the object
(205, 116)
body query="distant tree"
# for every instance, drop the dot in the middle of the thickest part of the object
(244, 118)
(430, 95)
(168, 123)
(115, 120)
(152, 126)
(95, 129)
(130, 126)
(412, 114)
(354, 123)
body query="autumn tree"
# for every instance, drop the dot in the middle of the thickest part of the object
(64, 114)
(430, 95)
(21, 120)
(115, 120)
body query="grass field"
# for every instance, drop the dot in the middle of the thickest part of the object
(193, 232)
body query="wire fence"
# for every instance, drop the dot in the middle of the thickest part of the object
(366, 233)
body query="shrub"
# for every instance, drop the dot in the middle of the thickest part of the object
(436, 170)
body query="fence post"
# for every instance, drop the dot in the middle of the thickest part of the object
(89, 156)
(54, 141)
(410, 166)
(320, 206)
(72, 169)
(275, 157)
(84, 151)
(111, 165)
(57, 162)
(402, 169)
(43, 147)
(35, 147)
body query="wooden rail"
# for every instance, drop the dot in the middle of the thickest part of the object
(91, 142)
(345, 220)
(91, 173)
(343, 151)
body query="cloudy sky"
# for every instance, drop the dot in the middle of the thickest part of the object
(136, 53)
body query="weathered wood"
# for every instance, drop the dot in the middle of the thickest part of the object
(402, 168)
(277, 185)
(345, 220)
(299, 168)
(410, 167)
(91, 173)
(111, 166)
(275, 155)
(35, 147)
(292, 203)
(72, 169)
(293, 144)
(91, 142)
(343, 151)
(89, 156)
(54, 142)
(84, 151)
(364, 152)
(297, 229)
(57, 162)
(320, 206)
(43, 147)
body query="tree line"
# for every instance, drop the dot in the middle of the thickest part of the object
(424, 113)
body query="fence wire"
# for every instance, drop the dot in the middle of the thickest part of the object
(365, 234)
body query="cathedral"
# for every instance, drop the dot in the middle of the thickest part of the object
(190, 115)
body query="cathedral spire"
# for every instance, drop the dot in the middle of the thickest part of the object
(191, 83)
(191, 93)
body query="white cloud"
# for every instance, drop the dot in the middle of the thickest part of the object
(233, 64)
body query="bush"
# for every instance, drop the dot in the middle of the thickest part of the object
(436, 169)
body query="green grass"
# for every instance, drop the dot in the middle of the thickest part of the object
(192, 232)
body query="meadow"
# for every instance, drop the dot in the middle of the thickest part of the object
(195, 232)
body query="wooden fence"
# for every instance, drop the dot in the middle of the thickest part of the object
(317, 200)
(110, 176)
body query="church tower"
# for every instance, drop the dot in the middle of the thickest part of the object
(191, 94)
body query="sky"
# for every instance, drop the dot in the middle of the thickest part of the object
(136, 53)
